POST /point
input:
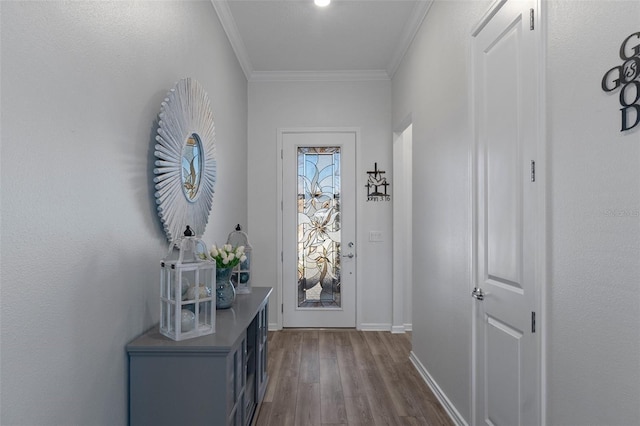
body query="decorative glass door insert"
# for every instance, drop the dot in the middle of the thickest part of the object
(318, 227)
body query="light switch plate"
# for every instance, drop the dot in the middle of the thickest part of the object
(375, 236)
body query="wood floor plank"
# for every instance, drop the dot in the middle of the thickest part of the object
(275, 340)
(361, 350)
(358, 410)
(349, 373)
(283, 407)
(327, 345)
(414, 421)
(400, 395)
(332, 405)
(378, 395)
(292, 350)
(428, 403)
(292, 340)
(437, 415)
(307, 405)
(341, 337)
(309, 359)
(386, 421)
(345, 377)
(417, 382)
(396, 345)
(284, 399)
(274, 366)
(374, 342)
(264, 414)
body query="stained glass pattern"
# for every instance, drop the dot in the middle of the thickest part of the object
(319, 227)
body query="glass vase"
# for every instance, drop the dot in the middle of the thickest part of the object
(225, 292)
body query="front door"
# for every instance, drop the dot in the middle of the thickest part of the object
(318, 228)
(506, 343)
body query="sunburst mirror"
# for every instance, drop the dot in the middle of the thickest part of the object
(186, 159)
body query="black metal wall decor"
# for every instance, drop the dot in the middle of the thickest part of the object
(377, 185)
(627, 76)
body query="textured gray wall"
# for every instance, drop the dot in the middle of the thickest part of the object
(82, 84)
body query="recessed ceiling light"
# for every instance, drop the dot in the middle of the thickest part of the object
(322, 3)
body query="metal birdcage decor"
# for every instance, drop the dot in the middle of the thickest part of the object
(241, 274)
(187, 290)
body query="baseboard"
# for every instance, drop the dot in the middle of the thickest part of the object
(397, 329)
(375, 327)
(451, 410)
(273, 326)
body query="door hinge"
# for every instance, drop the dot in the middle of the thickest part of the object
(281, 257)
(281, 207)
(282, 308)
(281, 150)
(533, 171)
(531, 19)
(533, 322)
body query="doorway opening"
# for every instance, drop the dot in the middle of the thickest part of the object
(402, 241)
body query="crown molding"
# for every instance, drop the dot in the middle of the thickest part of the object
(231, 29)
(363, 75)
(420, 11)
(225, 16)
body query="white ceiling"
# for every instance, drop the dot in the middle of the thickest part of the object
(294, 39)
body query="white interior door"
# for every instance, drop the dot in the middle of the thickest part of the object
(318, 228)
(506, 342)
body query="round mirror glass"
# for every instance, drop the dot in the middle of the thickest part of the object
(191, 166)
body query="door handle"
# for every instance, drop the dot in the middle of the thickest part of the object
(349, 255)
(478, 293)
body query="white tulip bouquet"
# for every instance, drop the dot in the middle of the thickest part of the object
(226, 256)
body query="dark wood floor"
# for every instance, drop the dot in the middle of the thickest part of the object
(345, 377)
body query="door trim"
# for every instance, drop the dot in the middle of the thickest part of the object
(541, 264)
(400, 279)
(279, 216)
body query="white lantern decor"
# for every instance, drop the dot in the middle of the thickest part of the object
(187, 290)
(241, 275)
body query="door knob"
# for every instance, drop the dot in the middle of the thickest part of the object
(350, 255)
(478, 293)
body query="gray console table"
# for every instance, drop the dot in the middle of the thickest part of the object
(215, 380)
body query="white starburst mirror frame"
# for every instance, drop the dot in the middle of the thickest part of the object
(186, 160)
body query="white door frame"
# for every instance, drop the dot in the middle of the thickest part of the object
(279, 226)
(400, 238)
(541, 269)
